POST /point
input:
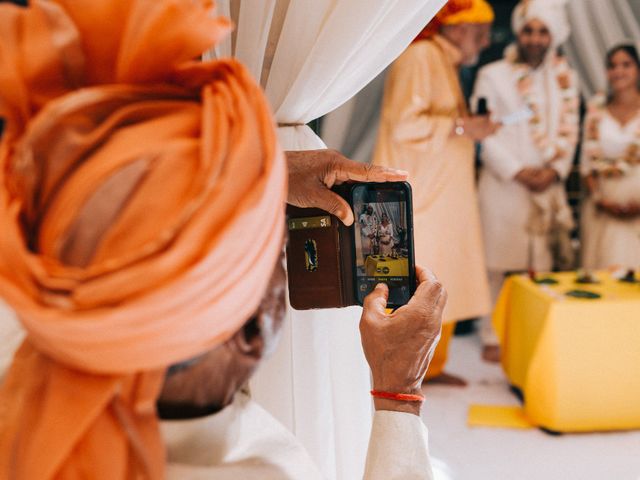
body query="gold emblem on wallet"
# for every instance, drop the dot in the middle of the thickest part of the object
(308, 223)
(311, 255)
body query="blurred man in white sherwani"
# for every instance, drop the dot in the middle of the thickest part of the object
(522, 198)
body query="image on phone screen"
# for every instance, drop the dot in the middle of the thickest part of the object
(383, 250)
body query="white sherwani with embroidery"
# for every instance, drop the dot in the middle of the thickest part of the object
(507, 208)
(505, 204)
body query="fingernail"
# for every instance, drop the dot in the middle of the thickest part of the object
(397, 171)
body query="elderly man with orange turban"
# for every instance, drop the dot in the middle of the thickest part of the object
(427, 130)
(141, 204)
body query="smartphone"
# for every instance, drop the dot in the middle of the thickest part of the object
(330, 265)
(383, 245)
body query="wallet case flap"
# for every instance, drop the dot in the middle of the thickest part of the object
(319, 260)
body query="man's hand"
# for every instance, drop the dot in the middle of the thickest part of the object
(591, 182)
(399, 346)
(312, 173)
(537, 179)
(546, 177)
(621, 212)
(526, 176)
(479, 127)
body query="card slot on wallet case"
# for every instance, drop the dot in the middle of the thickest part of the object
(319, 260)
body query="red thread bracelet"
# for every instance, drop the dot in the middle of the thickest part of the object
(403, 397)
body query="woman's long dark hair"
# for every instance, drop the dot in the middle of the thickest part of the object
(629, 49)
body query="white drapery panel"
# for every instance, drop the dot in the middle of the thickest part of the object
(311, 56)
(597, 26)
(353, 128)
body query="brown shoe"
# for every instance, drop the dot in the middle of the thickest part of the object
(491, 353)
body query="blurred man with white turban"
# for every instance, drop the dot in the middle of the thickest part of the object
(523, 204)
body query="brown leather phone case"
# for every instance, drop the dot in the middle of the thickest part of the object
(319, 260)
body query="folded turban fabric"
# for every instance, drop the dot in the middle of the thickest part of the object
(141, 205)
(456, 12)
(552, 13)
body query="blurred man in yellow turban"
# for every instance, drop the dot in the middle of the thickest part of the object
(427, 130)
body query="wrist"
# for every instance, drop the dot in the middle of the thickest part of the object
(397, 398)
(397, 406)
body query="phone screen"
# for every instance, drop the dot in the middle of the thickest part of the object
(384, 240)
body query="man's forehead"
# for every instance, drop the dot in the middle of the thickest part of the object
(536, 24)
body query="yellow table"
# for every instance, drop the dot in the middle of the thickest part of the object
(381, 266)
(576, 361)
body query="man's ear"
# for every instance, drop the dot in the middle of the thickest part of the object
(249, 340)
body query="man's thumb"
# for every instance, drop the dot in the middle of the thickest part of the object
(376, 301)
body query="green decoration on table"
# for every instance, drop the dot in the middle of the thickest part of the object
(546, 281)
(583, 294)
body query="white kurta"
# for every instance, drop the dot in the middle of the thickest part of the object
(245, 442)
(505, 204)
(608, 241)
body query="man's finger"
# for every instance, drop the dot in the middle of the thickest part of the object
(425, 275)
(348, 170)
(334, 204)
(429, 290)
(376, 301)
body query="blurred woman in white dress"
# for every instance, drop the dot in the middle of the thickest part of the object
(386, 236)
(611, 166)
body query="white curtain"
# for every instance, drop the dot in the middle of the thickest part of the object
(353, 128)
(597, 26)
(311, 56)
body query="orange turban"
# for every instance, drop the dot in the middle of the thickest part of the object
(456, 12)
(141, 204)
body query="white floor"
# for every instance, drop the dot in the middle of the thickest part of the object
(463, 453)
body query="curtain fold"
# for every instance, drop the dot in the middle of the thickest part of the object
(353, 128)
(311, 56)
